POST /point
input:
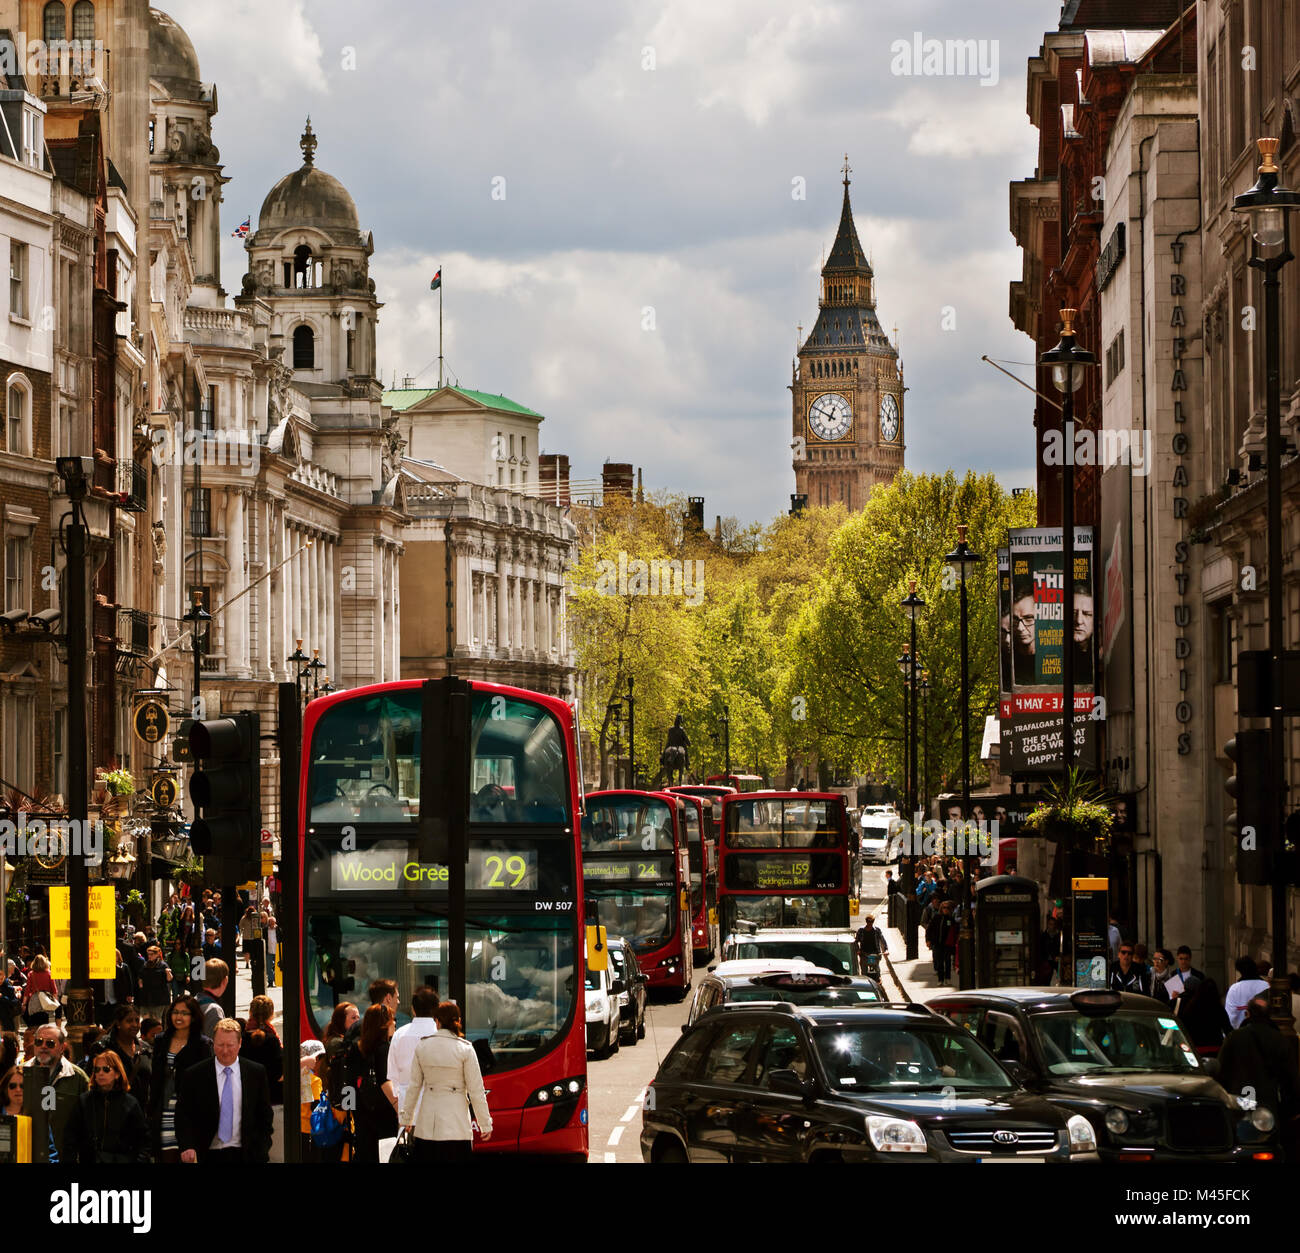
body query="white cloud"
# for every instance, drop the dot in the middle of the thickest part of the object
(960, 120)
(269, 50)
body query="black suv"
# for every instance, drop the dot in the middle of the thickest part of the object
(784, 1083)
(1124, 1063)
(800, 987)
(632, 1000)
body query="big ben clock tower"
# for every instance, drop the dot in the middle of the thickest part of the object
(847, 385)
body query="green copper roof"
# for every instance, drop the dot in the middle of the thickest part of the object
(404, 397)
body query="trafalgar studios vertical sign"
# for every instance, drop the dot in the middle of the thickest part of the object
(1039, 637)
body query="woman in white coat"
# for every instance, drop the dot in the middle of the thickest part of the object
(445, 1081)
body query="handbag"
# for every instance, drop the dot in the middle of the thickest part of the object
(43, 1002)
(403, 1153)
(327, 1129)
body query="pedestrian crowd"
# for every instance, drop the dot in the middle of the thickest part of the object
(165, 1074)
(370, 1082)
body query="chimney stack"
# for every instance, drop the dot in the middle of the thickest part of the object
(553, 477)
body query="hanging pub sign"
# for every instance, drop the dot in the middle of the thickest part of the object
(151, 721)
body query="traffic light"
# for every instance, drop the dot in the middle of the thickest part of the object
(227, 787)
(1253, 822)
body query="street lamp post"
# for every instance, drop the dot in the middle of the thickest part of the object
(300, 661)
(631, 734)
(1068, 363)
(959, 560)
(200, 621)
(912, 606)
(906, 865)
(925, 741)
(76, 473)
(726, 740)
(614, 713)
(1269, 208)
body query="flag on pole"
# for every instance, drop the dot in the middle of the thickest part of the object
(437, 280)
(241, 231)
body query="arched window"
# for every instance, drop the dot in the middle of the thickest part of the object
(304, 348)
(305, 273)
(18, 409)
(83, 21)
(55, 21)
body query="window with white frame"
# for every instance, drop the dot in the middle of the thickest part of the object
(17, 279)
(59, 749)
(18, 413)
(17, 739)
(18, 527)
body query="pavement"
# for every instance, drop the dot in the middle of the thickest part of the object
(243, 997)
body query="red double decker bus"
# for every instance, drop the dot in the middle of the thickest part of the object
(390, 773)
(740, 782)
(636, 875)
(702, 845)
(784, 860)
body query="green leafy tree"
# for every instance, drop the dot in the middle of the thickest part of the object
(843, 646)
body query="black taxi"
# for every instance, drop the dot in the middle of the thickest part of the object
(1121, 1061)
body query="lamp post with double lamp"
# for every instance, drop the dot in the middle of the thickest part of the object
(907, 867)
(912, 606)
(299, 660)
(925, 740)
(200, 621)
(1068, 362)
(77, 474)
(315, 666)
(631, 733)
(961, 558)
(1269, 208)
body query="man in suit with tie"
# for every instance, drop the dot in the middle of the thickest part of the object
(223, 1106)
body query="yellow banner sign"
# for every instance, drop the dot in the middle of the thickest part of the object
(102, 946)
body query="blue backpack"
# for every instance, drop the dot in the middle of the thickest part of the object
(326, 1130)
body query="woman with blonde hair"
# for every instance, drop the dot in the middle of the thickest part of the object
(445, 1082)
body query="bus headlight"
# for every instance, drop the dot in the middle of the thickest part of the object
(561, 1090)
(1082, 1137)
(895, 1135)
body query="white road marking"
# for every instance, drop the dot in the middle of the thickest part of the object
(632, 1111)
(616, 1135)
(610, 1157)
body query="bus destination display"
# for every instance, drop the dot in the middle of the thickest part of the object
(627, 869)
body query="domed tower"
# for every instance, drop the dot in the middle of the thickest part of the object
(185, 173)
(309, 260)
(848, 383)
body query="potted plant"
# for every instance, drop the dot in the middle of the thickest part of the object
(132, 907)
(1073, 812)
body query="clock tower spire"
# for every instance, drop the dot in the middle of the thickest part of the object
(847, 390)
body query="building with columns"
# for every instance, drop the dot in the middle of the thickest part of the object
(280, 504)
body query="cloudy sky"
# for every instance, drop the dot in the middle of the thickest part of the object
(648, 152)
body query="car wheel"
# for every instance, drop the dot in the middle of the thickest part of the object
(669, 1152)
(640, 1029)
(615, 1037)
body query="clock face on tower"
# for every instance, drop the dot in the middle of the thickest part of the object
(830, 416)
(888, 420)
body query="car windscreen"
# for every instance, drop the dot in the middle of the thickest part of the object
(805, 996)
(890, 1058)
(828, 954)
(593, 980)
(1073, 1043)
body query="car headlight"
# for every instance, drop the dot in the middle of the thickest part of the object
(895, 1135)
(622, 998)
(1262, 1119)
(593, 1009)
(1082, 1137)
(1116, 1121)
